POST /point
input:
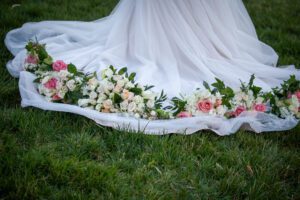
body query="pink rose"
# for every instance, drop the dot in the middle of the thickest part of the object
(51, 84)
(260, 107)
(59, 65)
(184, 115)
(239, 110)
(56, 97)
(297, 93)
(32, 59)
(218, 102)
(205, 105)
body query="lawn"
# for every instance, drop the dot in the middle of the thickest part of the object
(52, 155)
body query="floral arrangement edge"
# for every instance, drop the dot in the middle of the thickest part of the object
(116, 91)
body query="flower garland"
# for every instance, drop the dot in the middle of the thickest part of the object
(116, 91)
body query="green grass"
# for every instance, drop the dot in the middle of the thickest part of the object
(51, 155)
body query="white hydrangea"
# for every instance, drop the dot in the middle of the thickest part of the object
(71, 84)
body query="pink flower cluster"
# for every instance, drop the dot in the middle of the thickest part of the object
(59, 65)
(204, 106)
(32, 59)
(240, 109)
(51, 84)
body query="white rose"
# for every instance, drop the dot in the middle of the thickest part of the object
(148, 95)
(108, 73)
(136, 115)
(63, 74)
(100, 89)
(150, 103)
(138, 99)
(130, 96)
(126, 80)
(117, 77)
(110, 86)
(98, 107)
(117, 89)
(124, 105)
(131, 107)
(93, 83)
(83, 102)
(85, 90)
(153, 113)
(93, 95)
(140, 107)
(120, 83)
(101, 98)
(107, 104)
(129, 85)
(71, 85)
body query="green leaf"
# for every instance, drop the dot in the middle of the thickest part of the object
(219, 84)
(117, 98)
(122, 71)
(206, 85)
(161, 114)
(48, 60)
(256, 90)
(178, 105)
(136, 91)
(112, 68)
(251, 81)
(148, 87)
(72, 69)
(132, 76)
(42, 53)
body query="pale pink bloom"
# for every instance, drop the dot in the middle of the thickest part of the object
(289, 95)
(32, 59)
(56, 97)
(51, 84)
(218, 102)
(59, 65)
(204, 106)
(239, 110)
(260, 107)
(184, 114)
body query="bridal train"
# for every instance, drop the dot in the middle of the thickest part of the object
(174, 45)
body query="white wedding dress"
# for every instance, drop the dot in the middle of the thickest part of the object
(172, 44)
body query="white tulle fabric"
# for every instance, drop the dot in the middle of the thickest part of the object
(172, 44)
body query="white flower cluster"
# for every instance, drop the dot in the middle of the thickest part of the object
(30, 66)
(245, 99)
(55, 85)
(202, 101)
(115, 93)
(289, 107)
